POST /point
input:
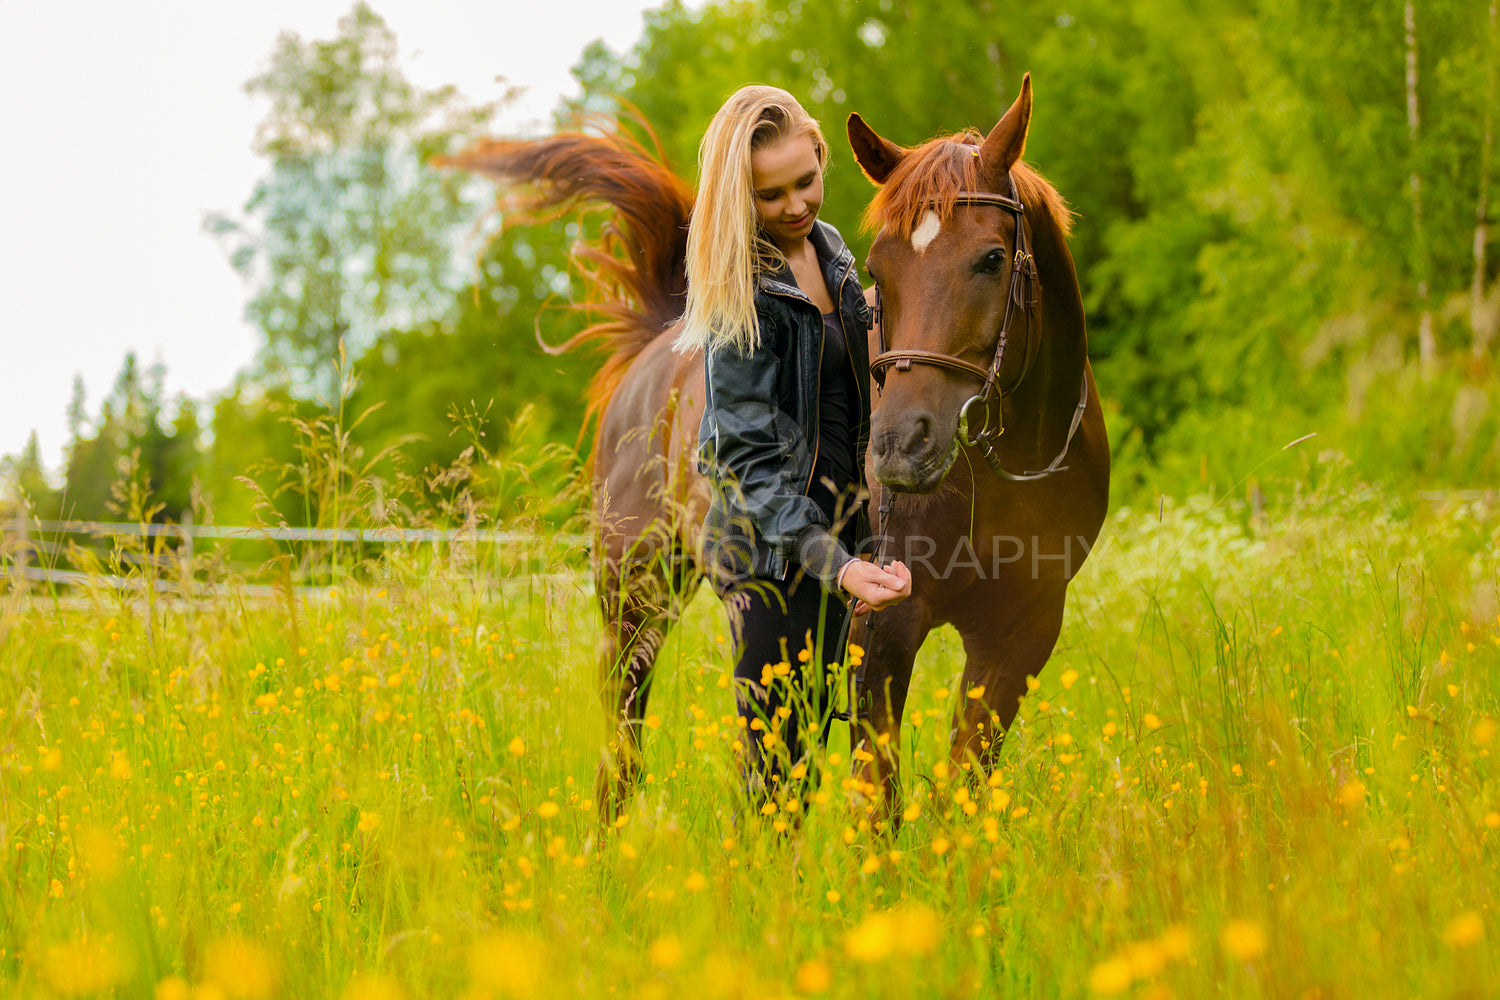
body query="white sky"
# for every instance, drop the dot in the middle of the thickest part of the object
(122, 124)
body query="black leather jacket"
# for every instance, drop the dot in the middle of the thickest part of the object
(758, 440)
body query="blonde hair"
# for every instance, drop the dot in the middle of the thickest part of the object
(725, 246)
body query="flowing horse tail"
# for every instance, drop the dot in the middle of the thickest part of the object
(635, 273)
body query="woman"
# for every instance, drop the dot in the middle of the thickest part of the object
(775, 304)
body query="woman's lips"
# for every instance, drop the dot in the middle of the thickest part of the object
(799, 221)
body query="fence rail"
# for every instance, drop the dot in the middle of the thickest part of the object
(278, 534)
(23, 539)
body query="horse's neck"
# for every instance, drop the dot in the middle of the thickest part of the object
(1040, 409)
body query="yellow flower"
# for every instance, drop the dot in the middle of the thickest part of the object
(373, 988)
(517, 747)
(1146, 958)
(1176, 942)
(51, 758)
(873, 939)
(512, 965)
(814, 977)
(1111, 977)
(1463, 930)
(99, 852)
(242, 969)
(173, 988)
(1483, 733)
(82, 967)
(1151, 720)
(917, 930)
(907, 930)
(695, 882)
(547, 810)
(1352, 794)
(368, 821)
(1243, 939)
(665, 952)
(119, 766)
(1069, 678)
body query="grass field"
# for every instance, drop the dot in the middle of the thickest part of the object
(1260, 763)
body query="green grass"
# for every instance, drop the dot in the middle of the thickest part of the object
(1259, 764)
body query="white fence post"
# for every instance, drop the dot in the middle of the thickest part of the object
(22, 546)
(185, 556)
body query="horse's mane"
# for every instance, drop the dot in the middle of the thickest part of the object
(634, 275)
(932, 175)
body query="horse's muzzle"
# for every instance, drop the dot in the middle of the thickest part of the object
(908, 456)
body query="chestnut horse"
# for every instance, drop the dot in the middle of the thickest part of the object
(981, 331)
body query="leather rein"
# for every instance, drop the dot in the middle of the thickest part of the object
(1022, 297)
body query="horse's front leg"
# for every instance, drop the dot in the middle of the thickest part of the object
(1001, 652)
(890, 640)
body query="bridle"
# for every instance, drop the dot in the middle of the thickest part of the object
(1022, 297)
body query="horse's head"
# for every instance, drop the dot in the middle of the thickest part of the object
(956, 283)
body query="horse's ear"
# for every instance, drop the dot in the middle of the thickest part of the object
(877, 157)
(1007, 140)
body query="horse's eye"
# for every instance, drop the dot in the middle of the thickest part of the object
(992, 262)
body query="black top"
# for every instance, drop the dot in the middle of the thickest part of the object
(836, 423)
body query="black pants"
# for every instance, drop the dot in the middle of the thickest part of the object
(787, 669)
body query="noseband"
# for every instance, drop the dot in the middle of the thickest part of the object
(1021, 297)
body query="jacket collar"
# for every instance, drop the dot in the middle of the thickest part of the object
(834, 257)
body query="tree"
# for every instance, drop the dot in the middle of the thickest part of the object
(129, 461)
(26, 490)
(351, 234)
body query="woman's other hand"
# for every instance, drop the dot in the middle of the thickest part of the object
(875, 587)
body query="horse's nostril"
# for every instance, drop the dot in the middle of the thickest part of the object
(921, 432)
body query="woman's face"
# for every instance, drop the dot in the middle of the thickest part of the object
(788, 187)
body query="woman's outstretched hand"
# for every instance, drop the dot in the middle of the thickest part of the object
(875, 587)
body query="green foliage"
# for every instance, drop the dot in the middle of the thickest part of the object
(1241, 173)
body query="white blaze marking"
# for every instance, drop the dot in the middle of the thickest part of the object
(926, 231)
